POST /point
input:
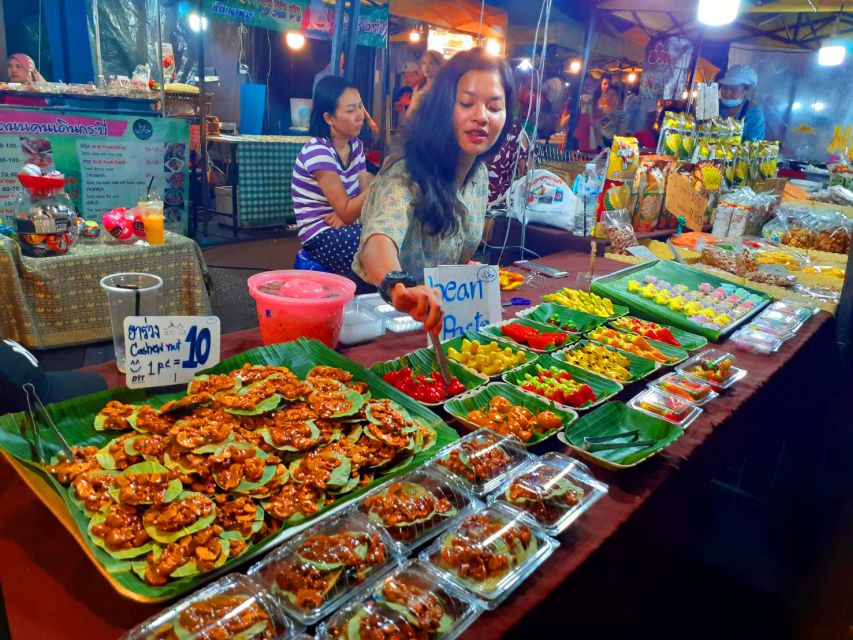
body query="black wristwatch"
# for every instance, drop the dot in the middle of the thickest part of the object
(391, 280)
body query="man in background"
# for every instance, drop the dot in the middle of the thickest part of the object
(409, 79)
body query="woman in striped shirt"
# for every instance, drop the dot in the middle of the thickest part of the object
(330, 178)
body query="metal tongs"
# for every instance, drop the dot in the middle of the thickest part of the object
(440, 358)
(34, 401)
(605, 443)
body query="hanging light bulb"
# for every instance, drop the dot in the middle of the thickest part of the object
(414, 36)
(632, 77)
(525, 65)
(716, 13)
(831, 54)
(493, 47)
(575, 66)
(295, 40)
(196, 22)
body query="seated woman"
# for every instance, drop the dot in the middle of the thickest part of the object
(428, 208)
(330, 178)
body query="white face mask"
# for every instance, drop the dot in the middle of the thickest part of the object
(733, 102)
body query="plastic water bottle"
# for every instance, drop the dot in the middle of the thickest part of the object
(586, 188)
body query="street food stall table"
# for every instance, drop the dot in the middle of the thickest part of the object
(41, 557)
(58, 301)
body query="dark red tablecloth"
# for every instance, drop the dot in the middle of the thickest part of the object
(52, 591)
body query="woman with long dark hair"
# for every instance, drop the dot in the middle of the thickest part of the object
(430, 62)
(330, 176)
(428, 208)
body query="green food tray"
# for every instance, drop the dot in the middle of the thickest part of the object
(75, 419)
(459, 407)
(618, 309)
(678, 353)
(638, 367)
(493, 332)
(617, 417)
(456, 343)
(615, 287)
(583, 321)
(689, 341)
(604, 388)
(423, 361)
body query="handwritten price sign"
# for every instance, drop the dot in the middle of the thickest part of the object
(167, 350)
(470, 297)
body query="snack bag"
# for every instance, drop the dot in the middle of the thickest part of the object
(619, 176)
(619, 231)
(651, 186)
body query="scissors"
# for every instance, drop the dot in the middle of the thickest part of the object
(517, 302)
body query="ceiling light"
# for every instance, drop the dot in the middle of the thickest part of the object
(196, 22)
(525, 65)
(818, 106)
(632, 77)
(831, 54)
(295, 40)
(796, 106)
(493, 47)
(575, 66)
(684, 95)
(414, 36)
(716, 13)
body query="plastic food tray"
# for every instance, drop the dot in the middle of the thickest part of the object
(639, 367)
(361, 324)
(541, 313)
(386, 604)
(394, 320)
(715, 355)
(755, 338)
(684, 386)
(679, 354)
(491, 458)
(689, 341)
(493, 332)
(498, 530)
(545, 480)
(235, 594)
(451, 500)
(794, 308)
(291, 557)
(456, 343)
(656, 402)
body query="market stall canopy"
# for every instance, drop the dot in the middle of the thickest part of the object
(459, 15)
(781, 23)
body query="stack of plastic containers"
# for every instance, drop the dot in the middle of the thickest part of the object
(777, 323)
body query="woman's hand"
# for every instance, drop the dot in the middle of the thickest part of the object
(421, 303)
(334, 221)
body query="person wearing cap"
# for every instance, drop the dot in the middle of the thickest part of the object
(19, 367)
(735, 88)
(410, 78)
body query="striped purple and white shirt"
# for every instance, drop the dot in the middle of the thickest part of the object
(309, 202)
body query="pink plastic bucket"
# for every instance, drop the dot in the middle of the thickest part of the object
(295, 304)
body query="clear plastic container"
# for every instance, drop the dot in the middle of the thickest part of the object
(754, 338)
(801, 310)
(232, 607)
(360, 325)
(395, 321)
(416, 507)
(694, 391)
(312, 573)
(660, 404)
(783, 325)
(482, 460)
(713, 367)
(553, 491)
(413, 601)
(490, 553)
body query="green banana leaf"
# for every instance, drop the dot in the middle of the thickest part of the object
(689, 341)
(617, 417)
(423, 362)
(604, 388)
(638, 367)
(493, 331)
(583, 321)
(456, 343)
(615, 287)
(479, 400)
(75, 419)
(679, 355)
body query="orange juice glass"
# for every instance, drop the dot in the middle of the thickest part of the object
(155, 223)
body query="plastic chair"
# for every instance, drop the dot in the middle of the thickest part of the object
(305, 263)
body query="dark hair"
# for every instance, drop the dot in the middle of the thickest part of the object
(605, 76)
(431, 149)
(326, 95)
(437, 58)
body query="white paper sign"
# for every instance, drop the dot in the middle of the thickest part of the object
(166, 350)
(470, 296)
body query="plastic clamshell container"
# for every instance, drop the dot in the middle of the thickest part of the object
(780, 320)
(693, 390)
(693, 368)
(552, 491)
(497, 535)
(295, 304)
(776, 330)
(243, 609)
(413, 601)
(423, 488)
(481, 460)
(343, 536)
(360, 325)
(395, 321)
(663, 405)
(802, 310)
(752, 338)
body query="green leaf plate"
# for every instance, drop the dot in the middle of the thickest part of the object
(479, 399)
(583, 321)
(493, 332)
(679, 355)
(456, 343)
(689, 341)
(617, 417)
(638, 368)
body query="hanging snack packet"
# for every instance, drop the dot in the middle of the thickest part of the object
(651, 186)
(621, 171)
(619, 231)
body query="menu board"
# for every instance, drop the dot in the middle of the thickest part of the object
(108, 160)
